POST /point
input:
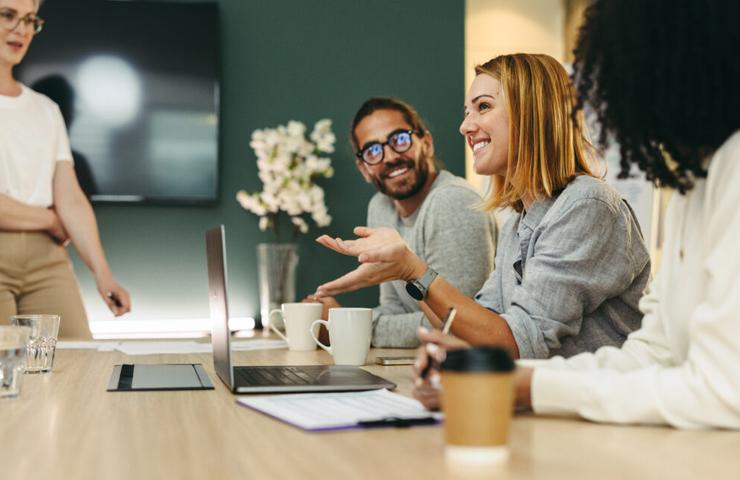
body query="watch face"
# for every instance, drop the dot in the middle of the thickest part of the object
(413, 290)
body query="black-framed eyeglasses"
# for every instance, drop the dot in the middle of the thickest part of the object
(9, 20)
(399, 140)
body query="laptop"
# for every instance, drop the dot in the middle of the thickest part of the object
(268, 379)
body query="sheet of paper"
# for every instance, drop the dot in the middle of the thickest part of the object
(331, 411)
(108, 346)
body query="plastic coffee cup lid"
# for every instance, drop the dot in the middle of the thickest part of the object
(478, 359)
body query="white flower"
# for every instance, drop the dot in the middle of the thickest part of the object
(321, 128)
(265, 223)
(271, 201)
(300, 224)
(287, 164)
(243, 198)
(323, 136)
(303, 200)
(322, 220)
(326, 144)
(296, 129)
(250, 202)
(316, 194)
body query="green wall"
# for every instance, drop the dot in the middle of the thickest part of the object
(283, 60)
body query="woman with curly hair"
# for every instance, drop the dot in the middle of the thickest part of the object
(663, 78)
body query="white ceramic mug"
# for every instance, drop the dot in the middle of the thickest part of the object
(350, 330)
(297, 318)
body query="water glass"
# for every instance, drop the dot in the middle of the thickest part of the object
(12, 358)
(42, 341)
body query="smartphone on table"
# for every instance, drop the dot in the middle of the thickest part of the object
(406, 360)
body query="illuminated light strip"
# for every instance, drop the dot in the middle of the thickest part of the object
(171, 328)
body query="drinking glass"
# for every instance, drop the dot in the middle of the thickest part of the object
(42, 341)
(12, 358)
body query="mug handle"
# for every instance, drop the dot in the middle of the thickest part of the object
(272, 324)
(312, 330)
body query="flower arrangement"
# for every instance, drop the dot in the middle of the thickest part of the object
(288, 164)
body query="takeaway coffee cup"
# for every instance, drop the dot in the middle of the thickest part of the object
(350, 330)
(297, 318)
(477, 400)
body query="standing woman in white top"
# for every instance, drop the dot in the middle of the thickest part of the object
(664, 78)
(42, 207)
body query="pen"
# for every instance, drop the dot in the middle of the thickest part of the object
(115, 300)
(446, 324)
(397, 422)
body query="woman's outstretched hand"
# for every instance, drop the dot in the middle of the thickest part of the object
(384, 256)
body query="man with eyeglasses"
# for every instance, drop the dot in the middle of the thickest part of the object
(433, 210)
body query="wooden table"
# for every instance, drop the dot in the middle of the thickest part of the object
(65, 425)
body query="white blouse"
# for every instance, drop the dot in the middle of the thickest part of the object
(682, 367)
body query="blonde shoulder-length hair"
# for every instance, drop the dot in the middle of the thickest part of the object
(547, 143)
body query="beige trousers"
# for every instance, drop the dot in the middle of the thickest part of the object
(36, 276)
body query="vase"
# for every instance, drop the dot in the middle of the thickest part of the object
(277, 263)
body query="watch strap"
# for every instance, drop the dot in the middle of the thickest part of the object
(420, 287)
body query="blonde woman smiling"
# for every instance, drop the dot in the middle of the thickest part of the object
(570, 266)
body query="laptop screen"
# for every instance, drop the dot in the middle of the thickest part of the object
(216, 253)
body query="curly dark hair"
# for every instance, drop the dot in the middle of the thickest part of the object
(663, 77)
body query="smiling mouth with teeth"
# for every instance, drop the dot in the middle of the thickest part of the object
(397, 172)
(398, 169)
(480, 145)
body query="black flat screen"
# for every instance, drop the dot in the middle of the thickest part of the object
(137, 83)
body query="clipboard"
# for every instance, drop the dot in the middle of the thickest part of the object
(324, 412)
(151, 377)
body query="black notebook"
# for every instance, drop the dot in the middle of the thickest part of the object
(173, 376)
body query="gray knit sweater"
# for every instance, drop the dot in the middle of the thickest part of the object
(450, 235)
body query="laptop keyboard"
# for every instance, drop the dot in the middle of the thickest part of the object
(271, 376)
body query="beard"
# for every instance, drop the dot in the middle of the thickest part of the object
(413, 185)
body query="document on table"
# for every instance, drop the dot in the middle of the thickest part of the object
(346, 410)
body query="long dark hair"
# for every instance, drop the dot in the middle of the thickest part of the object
(663, 77)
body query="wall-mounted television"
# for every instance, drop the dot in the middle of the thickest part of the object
(138, 84)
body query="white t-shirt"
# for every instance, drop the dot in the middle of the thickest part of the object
(32, 139)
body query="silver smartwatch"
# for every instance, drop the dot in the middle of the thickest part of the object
(418, 289)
